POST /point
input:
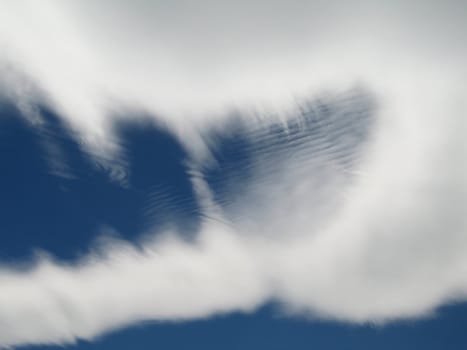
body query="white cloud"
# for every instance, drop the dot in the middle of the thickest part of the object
(167, 280)
(184, 59)
(395, 246)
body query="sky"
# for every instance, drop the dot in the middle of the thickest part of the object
(245, 175)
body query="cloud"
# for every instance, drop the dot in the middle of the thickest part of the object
(362, 231)
(169, 280)
(185, 59)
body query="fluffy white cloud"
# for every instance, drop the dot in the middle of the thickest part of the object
(394, 247)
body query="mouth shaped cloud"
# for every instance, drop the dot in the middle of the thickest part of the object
(349, 205)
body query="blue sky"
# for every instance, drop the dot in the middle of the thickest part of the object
(245, 176)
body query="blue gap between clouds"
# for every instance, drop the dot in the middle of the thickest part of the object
(62, 211)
